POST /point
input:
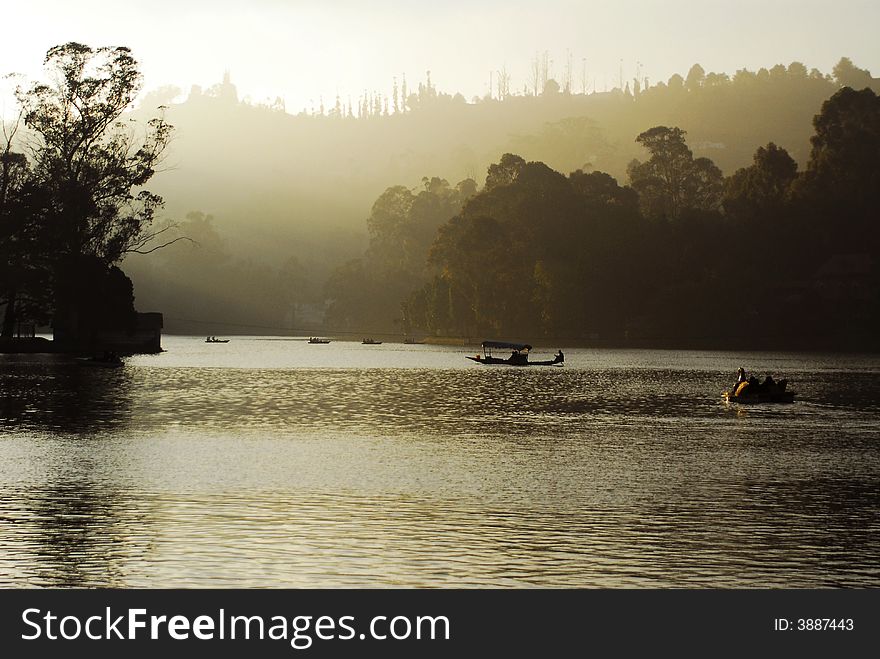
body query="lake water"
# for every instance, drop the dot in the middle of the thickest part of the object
(271, 462)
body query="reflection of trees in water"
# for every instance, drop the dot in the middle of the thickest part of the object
(85, 531)
(80, 539)
(49, 394)
(77, 521)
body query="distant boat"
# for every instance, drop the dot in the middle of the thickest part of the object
(519, 355)
(412, 342)
(317, 340)
(371, 342)
(214, 339)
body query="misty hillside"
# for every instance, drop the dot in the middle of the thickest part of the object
(234, 159)
(281, 186)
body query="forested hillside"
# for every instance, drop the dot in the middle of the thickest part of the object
(296, 189)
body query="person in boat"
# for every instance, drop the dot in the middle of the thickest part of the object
(559, 356)
(750, 386)
(517, 357)
(771, 386)
(741, 380)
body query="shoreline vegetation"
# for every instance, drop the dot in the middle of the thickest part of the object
(665, 251)
(770, 256)
(42, 345)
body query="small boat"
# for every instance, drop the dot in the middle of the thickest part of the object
(519, 355)
(752, 390)
(214, 339)
(371, 342)
(315, 340)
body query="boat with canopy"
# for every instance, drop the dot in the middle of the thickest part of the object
(519, 355)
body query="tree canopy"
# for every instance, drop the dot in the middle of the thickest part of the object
(72, 191)
(92, 164)
(762, 188)
(789, 258)
(672, 181)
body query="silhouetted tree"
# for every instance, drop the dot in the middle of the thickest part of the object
(846, 147)
(671, 181)
(695, 78)
(760, 189)
(91, 163)
(601, 189)
(536, 254)
(703, 185)
(90, 167)
(744, 78)
(842, 179)
(466, 188)
(476, 259)
(25, 245)
(797, 70)
(676, 82)
(387, 226)
(778, 72)
(504, 172)
(847, 74)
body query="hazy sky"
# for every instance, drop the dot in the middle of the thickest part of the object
(302, 49)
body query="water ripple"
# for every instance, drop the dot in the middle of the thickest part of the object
(623, 469)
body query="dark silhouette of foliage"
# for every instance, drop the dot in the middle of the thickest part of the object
(532, 252)
(307, 166)
(790, 260)
(847, 74)
(671, 180)
(89, 160)
(505, 171)
(367, 293)
(78, 204)
(842, 178)
(90, 298)
(537, 253)
(845, 155)
(761, 189)
(695, 78)
(521, 254)
(25, 248)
